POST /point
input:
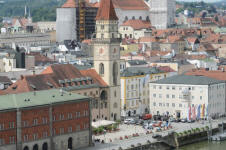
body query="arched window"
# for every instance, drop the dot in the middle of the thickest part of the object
(35, 147)
(133, 17)
(140, 18)
(115, 73)
(26, 148)
(101, 69)
(70, 143)
(147, 18)
(103, 95)
(45, 146)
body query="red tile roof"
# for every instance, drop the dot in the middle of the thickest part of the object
(52, 75)
(137, 24)
(69, 4)
(106, 11)
(217, 74)
(148, 39)
(166, 69)
(94, 75)
(131, 4)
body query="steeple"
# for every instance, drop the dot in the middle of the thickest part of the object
(106, 11)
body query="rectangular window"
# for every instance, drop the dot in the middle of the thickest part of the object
(160, 104)
(173, 104)
(45, 134)
(200, 97)
(154, 104)
(167, 87)
(193, 97)
(61, 116)
(54, 118)
(160, 87)
(25, 123)
(173, 96)
(154, 95)
(25, 138)
(160, 95)
(69, 129)
(11, 125)
(61, 130)
(35, 121)
(44, 120)
(2, 141)
(167, 95)
(2, 126)
(154, 86)
(11, 139)
(102, 27)
(69, 115)
(173, 88)
(167, 104)
(35, 136)
(180, 105)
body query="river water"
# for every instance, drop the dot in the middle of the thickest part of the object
(205, 146)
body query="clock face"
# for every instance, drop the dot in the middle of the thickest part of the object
(101, 51)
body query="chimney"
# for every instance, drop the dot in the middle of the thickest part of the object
(33, 72)
(222, 69)
(21, 77)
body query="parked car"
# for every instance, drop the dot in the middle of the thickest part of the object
(128, 120)
(139, 122)
(147, 116)
(191, 121)
(184, 120)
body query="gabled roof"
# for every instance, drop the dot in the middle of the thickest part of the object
(137, 24)
(106, 11)
(189, 80)
(131, 4)
(55, 76)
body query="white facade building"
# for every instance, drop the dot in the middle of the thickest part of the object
(192, 97)
(162, 13)
(135, 88)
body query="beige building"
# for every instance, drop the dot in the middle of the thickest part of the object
(135, 89)
(135, 29)
(183, 96)
(107, 54)
(46, 26)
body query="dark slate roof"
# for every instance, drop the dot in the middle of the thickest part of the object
(190, 80)
(136, 71)
(137, 62)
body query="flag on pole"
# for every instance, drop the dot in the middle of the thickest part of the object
(198, 111)
(193, 113)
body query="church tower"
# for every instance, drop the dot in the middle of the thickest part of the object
(106, 46)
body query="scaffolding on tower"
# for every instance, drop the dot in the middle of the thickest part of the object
(81, 7)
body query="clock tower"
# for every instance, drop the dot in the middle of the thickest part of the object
(106, 46)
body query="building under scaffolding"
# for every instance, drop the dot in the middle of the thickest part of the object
(76, 20)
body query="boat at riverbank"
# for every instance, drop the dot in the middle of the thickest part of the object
(219, 137)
